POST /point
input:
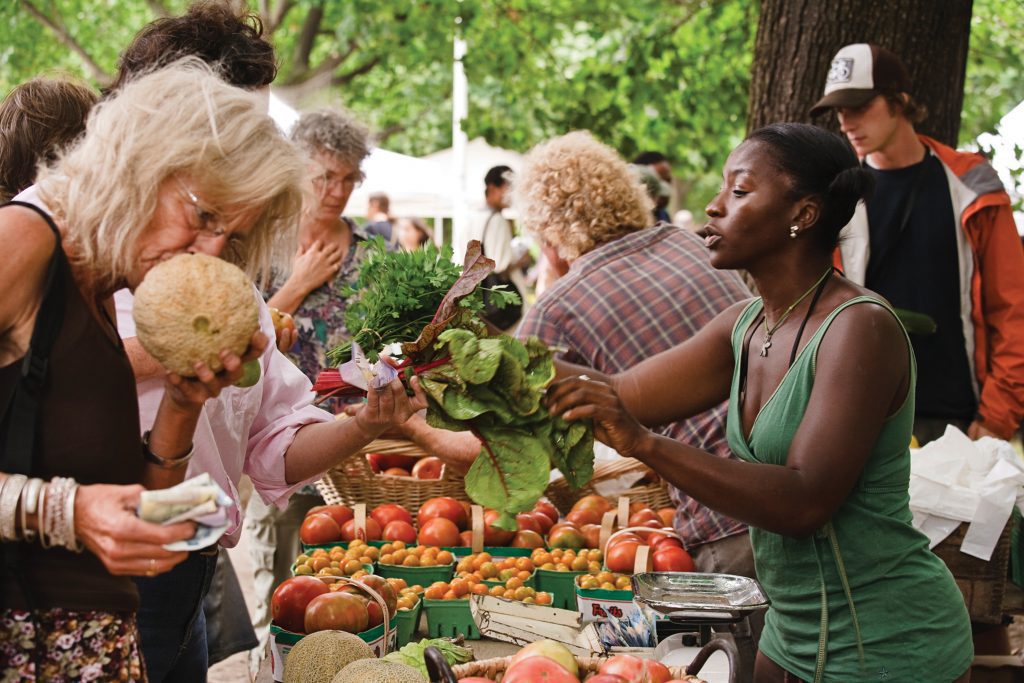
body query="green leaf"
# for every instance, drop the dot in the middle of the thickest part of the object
(510, 474)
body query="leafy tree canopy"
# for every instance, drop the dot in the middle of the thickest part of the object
(668, 75)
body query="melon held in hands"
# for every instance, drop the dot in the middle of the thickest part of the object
(192, 306)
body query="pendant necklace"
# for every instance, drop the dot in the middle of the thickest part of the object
(766, 343)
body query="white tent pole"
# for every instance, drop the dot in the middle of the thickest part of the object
(460, 109)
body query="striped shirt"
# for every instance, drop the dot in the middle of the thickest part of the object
(629, 299)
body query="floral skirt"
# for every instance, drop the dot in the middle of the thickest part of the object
(73, 646)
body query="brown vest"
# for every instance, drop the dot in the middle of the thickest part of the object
(87, 428)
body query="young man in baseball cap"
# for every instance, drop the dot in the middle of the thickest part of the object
(937, 237)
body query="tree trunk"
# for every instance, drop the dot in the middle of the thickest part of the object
(796, 40)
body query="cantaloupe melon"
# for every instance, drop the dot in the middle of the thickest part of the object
(190, 307)
(319, 656)
(377, 671)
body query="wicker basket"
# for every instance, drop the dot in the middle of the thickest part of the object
(655, 495)
(353, 481)
(982, 583)
(495, 669)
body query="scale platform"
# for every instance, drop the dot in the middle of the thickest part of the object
(699, 599)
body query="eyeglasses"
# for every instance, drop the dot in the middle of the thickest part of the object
(328, 179)
(207, 222)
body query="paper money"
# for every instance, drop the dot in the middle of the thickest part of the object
(198, 499)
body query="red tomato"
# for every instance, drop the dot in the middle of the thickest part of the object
(568, 538)
(584, 516)
(672, 559)
(494, 536)
(429, 467)
(534, 669)
(439, 531)
(657, 672)
(592, 535)
(558, 525)
(389, 512)
(288, 603)
(527, 522)
(668, 516)
(319, 528)
(527, 539)
(348, 530)
(476, 679)
(336, 611)
(644, 515)
(399, 531)
(396, 472)
(629, 667)
(466, 540)
(604, 678)
(340, 513)
(548, 509)
(629, 536)
(600, 503)
(621, 556)
(449, 508)
(383, 588)
(542, 520)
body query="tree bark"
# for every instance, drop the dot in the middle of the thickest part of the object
(796, 40)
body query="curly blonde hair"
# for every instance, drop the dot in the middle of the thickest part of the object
(180, 119)
(576, 193)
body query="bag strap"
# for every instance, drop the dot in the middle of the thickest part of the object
(20, 416)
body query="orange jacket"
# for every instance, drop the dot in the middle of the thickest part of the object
(991, 282)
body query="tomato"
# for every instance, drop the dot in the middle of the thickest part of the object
(629, 667)
(548, 509)
(466, 540)
(383, 588)
(567, 538)
(592, 535)
(628, 536)
(396, 472)
(399, 531)
(639, 517)
(621, 556)
(288, 603)
(558, 525)
(657, 541)
(527, 539)
(390, 512)
(494, 536)
(604, 678)
(349, 533)
(429, 467)
(550, 649)
(340, 513)
(534, 669)
(336, 611)
(527, 522)
(669, 558)
(599, 503)
(668, 516)
(449, 508)
(439, 531)
(656, 671)
(319, 528)
(382, 461)
(543, 521)
(585, 516)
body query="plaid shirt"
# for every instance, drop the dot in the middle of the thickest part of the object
(628, 300)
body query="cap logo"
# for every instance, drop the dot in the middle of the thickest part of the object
(841, 70)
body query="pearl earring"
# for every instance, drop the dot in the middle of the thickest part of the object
(792, 231)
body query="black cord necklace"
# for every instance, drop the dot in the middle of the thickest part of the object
(819, 287)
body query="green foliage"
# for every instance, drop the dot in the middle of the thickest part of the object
(995, 66)
(495, 386)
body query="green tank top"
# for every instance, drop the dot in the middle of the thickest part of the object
(863, 598)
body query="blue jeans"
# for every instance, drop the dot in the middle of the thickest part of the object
(172, 626)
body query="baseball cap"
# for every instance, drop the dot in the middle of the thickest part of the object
(858, 73)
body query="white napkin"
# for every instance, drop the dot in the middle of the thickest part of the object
(954, 479)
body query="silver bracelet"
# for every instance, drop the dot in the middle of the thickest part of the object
(162, 462)
(9, 497)
(41, 513)
(29, 499)
(70, 539)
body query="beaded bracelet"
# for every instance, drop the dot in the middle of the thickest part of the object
(58, 519)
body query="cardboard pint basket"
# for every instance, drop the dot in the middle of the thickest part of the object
(381, 638)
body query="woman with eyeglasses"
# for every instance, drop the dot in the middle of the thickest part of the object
(125, 198)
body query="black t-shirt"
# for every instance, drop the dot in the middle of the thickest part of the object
(916, 267)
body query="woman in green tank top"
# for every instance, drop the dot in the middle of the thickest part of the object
(819, 375)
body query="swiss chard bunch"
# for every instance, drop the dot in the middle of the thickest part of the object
(494, 387)
(397, 293)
